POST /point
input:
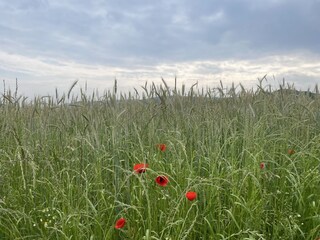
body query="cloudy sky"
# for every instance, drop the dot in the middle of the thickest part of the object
(48, 44)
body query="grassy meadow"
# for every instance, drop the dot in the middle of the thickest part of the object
(251, 156)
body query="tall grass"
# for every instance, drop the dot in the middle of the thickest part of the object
(66, 164)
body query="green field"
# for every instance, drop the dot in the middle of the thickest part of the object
(251, 156)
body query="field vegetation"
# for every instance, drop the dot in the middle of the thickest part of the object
(162, 163)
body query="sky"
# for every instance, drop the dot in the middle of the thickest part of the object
(49, 44)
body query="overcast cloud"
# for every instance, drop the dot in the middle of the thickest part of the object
(48, 44)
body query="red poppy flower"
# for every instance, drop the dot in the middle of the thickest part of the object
(140, 167)
(191, 196)
(291, 151)
(262, 165)
(162, 147)
(120, 223)
(162, 180)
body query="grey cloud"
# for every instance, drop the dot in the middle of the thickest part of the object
(117, 32)
(279, 28)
